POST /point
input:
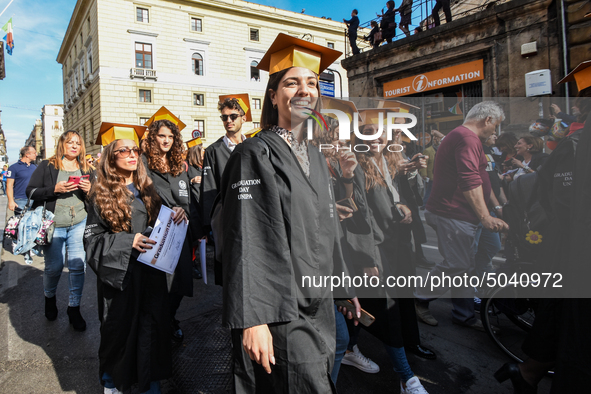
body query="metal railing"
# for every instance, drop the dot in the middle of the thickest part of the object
(421, 17)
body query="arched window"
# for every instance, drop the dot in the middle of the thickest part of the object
(197, 61)
(255, 74)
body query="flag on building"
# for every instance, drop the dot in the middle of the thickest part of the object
(8, 37)
(457, 109)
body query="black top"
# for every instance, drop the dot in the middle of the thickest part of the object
(214, 161)
(353, 23)
(491, 170)
(44, 180)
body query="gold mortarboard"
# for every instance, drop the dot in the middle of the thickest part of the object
(287, 51)
(110, 132)
(196, 139)
(372, 115)
(348, 107)
(581, 74)
(164, 114)
(396, 105)
(243, 101)
(252, 132)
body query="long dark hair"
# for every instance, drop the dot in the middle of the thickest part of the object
(373, 178)
(112, 197)
(175, 155)
(194, 156)
(270, 114)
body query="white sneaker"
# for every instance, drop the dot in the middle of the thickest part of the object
(358, 360)
(413, 386)
(112, 391)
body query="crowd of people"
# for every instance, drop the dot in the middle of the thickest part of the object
(385, 30)
(278, 208)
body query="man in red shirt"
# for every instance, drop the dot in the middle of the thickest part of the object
(456, 207)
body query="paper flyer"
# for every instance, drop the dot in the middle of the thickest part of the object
(169, 238)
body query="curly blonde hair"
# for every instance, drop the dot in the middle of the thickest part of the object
(174, 157)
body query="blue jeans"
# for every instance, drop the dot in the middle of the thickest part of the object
(20, 202)
(456, 242)
(342, 342)
(398, 357)
(67, 242)
(488, 245)
(108, 381)
(4, 187)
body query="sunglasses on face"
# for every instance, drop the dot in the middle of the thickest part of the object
(224, 118)
(125, 152)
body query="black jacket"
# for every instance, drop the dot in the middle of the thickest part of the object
(44, 180)
(214, 162)
(537, 160)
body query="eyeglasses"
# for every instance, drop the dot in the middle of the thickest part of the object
(125, 152)
(224, 118)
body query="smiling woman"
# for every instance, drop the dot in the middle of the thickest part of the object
(280, 177)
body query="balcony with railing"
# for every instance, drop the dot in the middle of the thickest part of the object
(144, 73)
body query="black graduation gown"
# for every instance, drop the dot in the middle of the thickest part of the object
(133, 305)
(280, 226)
(175, 192)
(389, 327)
(573, 367)
(214, 161)
(196, 193)
(357, 234)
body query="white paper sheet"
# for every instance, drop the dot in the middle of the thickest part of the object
(169, 239)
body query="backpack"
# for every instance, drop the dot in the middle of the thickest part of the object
(527, 220)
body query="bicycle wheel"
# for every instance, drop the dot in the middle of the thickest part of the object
(511, 318)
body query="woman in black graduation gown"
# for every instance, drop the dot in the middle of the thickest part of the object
(380, 167)
(280, 225)
(132, 297)
(163, 158)
(195, 171)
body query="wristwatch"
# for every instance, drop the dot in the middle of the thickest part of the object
(526, 169)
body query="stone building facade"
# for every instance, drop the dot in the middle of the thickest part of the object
(484, 54)
(52, 116)
(123, 60)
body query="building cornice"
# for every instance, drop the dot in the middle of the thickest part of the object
(255, 50)
(143, 33)
(196, 41)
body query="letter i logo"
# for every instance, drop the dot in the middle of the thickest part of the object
(420, 83)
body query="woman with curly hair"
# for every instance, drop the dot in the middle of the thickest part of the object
(133, 304)
(165, 165)
(51, 187)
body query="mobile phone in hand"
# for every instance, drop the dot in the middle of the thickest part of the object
(366, 318)
(416, 158)
(76, 179)
(349, 203)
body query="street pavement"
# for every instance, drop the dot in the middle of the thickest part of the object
(38, 356)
